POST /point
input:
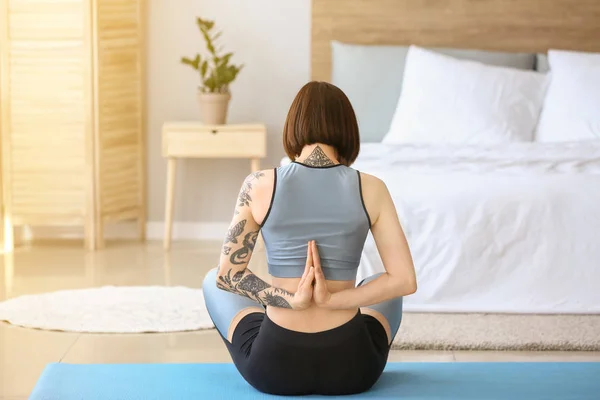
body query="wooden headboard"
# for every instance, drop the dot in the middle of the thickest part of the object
(503, 25)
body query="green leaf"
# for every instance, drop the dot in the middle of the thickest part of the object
(209, 83)
(203, 68)
(195, 63)
(209, 44)
(225, 58)
(217, 36)
(220, 74)
(235, 72)
(204, 24)
(225, 77)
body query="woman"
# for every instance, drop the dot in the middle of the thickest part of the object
(311, 331)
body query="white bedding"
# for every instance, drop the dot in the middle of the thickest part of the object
(506, 228)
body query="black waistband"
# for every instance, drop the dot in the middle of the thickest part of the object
(323, 338)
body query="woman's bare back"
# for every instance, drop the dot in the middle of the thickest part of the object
(313, 318)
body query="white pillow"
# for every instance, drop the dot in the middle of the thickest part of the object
(446, 100)
(572, 106)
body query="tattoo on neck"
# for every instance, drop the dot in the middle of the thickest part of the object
(318, 158)
(244, 198)
(245, 283)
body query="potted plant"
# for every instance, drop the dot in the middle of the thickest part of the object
(216, 73)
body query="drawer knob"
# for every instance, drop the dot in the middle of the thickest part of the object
(214, 131)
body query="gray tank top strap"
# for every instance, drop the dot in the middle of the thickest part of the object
(272, 198)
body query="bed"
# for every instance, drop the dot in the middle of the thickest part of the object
(510, 229)
(504, 228)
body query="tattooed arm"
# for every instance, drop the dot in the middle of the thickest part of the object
(234, 276)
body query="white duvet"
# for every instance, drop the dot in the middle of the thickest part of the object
(504, 228)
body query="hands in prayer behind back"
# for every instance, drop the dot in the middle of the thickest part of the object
(312, 285)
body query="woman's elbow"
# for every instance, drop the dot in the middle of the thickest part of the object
(410, 287)
(406, 287)
(215, 277)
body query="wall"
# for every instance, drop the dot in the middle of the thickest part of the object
(272, 38)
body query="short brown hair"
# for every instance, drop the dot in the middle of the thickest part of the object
(321, 113)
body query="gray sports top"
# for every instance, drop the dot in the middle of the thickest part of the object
(324, 204)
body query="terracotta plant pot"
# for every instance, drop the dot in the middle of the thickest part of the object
(213, 107)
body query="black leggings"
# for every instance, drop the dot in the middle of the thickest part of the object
(347, 359)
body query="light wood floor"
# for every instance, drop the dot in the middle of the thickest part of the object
(56, 266)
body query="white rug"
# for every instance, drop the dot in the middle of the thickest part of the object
(174, 309)
(111, 309)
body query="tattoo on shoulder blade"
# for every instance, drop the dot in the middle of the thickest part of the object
(318, 158)
(235, 231)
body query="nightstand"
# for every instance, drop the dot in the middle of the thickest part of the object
(195, 140)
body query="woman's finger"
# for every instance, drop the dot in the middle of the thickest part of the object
(315, 256)
(307, 266)
(319, 278)
(302, 278)
(310, 278)
(319, 275)
(305, 286)
(320, 281)
(309, 258)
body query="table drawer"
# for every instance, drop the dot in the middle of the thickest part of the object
(228, 141)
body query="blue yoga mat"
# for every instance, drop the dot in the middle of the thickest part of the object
(407, 381)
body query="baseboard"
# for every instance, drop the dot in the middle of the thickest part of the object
(128, 230)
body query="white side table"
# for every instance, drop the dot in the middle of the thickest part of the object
(195, 140)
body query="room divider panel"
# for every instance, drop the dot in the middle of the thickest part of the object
(72, 114)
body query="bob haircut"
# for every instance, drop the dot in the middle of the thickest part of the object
(321, 113)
